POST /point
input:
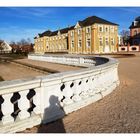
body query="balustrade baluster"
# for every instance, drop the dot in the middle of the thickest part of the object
(7, 109)
(37, 101)
(24, 105)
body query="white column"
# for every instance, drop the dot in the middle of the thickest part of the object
(7, 109)
(24, 105)
(37, 101)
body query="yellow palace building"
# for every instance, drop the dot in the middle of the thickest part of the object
(92, 35)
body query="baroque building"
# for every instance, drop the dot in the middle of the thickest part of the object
(89, 36)
(135, 32)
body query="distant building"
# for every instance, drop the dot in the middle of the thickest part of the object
(22, 48)
(91, 35)
(4, 46)
(135, 32)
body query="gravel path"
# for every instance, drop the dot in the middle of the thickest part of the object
(118, 112)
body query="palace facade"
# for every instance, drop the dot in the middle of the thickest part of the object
(89, 36)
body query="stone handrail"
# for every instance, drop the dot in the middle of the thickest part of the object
(25, 103)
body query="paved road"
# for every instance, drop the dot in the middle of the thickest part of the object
(118, 112)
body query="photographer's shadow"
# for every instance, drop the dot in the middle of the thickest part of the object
(53, 112)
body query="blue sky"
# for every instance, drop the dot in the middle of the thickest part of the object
(26, 22)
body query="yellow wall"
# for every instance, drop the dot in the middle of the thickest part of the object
(94, 36)
(58, 43)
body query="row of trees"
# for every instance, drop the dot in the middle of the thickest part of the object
(21, 42)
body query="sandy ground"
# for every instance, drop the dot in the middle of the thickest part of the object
(118, 112)
(9, 71)
(53, 66)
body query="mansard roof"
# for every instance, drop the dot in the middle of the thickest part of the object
(50, 33)
(94, 19)
(136, 23)
(137, 18)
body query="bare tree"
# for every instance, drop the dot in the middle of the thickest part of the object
(24, 42)
(125, 36)
(13, 42)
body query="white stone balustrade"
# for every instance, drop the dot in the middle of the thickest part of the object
(57, 94)
(7, 109)
(23, 105)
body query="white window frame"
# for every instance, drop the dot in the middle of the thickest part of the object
(88, 30)
(87, 41)
(107, 29)
(100, 27)
(112, 41)
(112, 29)
(79, 31)
(100, 41)
(72, 33)
(72, 44)
(79, 42)
(106, 41)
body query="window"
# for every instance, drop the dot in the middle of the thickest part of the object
(106, 42)
(88, 30)
(112, 41)
(135, 32)
(79, 43)
(112, 29)
(106, 29)
(72, 43)
(101, 41)
(79, 31)
(72, 33)
(100, 29)
(88, 42)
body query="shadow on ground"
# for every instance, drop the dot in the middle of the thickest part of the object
(56, 126)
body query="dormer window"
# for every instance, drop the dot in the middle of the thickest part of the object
(135, 23)
(79, 31)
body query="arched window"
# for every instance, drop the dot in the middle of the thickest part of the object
(135, 32)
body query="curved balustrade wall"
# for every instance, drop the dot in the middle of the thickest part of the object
(28, 102)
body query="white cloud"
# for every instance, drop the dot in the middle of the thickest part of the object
(30, 12)
(16, 33)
